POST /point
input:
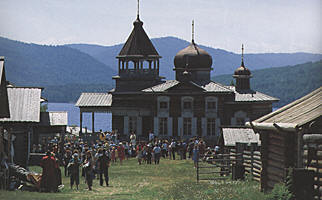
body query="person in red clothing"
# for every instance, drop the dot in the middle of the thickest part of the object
(49, 181)
(121, 152)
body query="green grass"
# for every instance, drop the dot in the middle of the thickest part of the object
(169, 180)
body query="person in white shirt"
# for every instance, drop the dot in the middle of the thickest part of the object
(133, 139)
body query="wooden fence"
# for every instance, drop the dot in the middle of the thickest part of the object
(251, 160)
(218, 167)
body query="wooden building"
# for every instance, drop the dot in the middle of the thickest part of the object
(291, 138)
(52, 124)
(24, 105)
(4, 105)
(191, 105)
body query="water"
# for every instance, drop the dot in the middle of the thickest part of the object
(102, 120)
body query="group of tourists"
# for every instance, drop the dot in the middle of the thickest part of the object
(92, 159)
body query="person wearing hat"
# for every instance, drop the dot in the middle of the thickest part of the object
(73, 168)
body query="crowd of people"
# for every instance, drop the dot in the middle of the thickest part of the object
(92, 160)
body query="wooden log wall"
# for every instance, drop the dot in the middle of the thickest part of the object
(312, 157)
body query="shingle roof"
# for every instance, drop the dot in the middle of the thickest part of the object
(4, 104)
(244, 135)
(53, 118)
(299, 112)
(251, 96)
(138, 43)
(24, 104)
(94, 99)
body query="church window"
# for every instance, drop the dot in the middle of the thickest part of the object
(211, 126)
(187, 126)
(187, 105)
(133, 124)
(163, 105)
(211, 105)
(163, 126)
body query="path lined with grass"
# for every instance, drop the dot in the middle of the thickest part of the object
(172, 179)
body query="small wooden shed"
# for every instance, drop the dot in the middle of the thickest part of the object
(232, 135)
(284, 136)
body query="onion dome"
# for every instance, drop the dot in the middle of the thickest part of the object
(192, 57)
(242, 70)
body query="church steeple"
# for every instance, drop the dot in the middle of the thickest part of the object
(242, 75)
(138, 59)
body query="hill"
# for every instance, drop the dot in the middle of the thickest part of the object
(43, 65)
(286, 83)
(224, 62)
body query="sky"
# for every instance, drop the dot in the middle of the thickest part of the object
(262, 26)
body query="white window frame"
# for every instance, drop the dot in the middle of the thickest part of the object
(211, 126)
(187, 126)
(163, 126)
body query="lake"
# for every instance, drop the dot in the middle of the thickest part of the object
(102, 120)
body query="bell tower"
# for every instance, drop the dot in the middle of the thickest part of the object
(138, 61)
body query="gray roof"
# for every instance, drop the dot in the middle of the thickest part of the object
(24, 104)
(94, 100)
(162, 87)
(210, 87)
(251, 96)
(54, 118)
(216, 87)
(298, 113)
(243, 135)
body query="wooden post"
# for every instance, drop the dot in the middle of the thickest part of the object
(300, 149)
(9, 145)
(93, 119)
(1, 139)
(264, 156)
(239, 152)
(81, 124)
(198, 171)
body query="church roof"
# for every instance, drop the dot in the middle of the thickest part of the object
(138, 44)
(94, 100)
(251, 96)
(210, 87)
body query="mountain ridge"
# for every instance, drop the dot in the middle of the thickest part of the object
(224, 62)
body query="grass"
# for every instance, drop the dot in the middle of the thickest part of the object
(172, 179)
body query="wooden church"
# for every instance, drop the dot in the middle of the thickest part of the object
(191, 105)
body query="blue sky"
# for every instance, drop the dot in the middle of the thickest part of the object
(263, 26)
